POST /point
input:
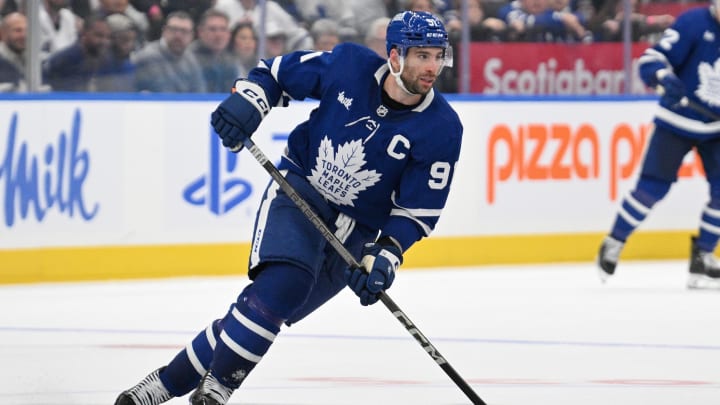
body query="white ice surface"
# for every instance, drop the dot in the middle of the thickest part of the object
(546, 335)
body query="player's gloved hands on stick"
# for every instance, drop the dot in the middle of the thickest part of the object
(239, 115)
(378, 266)
(672, 88)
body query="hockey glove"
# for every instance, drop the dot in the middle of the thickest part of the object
(239, 115)
(378, 266)
(672, 88)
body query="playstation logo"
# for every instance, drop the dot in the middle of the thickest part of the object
(218, 189)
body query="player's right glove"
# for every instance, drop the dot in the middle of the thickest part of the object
(673, 89)
(239, 115)
(378, 266)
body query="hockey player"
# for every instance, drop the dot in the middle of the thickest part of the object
(375, 160)
(682, 66)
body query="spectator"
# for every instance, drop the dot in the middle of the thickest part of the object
(139, 20)
(375, 36)
(156, 10)
(291, 8)
(196, 8)
(118, 75)
(394, 6)
(76, 67)
(429, 6)
(482, 26)
(608, 21)
(8, 6)
(155, 15)
(573, 24)
(339, 11)
(275, 40)
(165, 65)
(325, 34)
(12, 52)
(365, 12)
(59, 27)
(296, 37)
(243, 46)
(519, 16)
(210, 48)
(586, 8)
(536, 21)
(81, 8)
(421, 5)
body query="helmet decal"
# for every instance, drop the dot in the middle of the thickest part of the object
(415, 28)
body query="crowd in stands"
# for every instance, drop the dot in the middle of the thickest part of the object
(203, 45)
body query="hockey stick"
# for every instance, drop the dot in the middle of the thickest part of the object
(699, 108)
(350, 260)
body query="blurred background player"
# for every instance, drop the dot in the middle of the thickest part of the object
(681, 65)
(395, 142)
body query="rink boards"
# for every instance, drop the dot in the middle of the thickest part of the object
(138, 186)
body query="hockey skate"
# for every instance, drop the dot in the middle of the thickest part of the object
(149, 391)
(210, 392)
(704, 269)
(608, 257)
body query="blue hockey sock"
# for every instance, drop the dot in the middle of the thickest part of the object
(183, 373)
(709, 228)
(253, 322)
(246, 337)
(637, 205)
(631, 214)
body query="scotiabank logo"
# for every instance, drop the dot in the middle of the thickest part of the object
(548, 77)
(561, 152)
(534, 69)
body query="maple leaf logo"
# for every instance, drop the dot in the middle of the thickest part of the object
(709, 86)
(339, 176)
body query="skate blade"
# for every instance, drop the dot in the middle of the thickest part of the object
(702, 282)
(602, 274)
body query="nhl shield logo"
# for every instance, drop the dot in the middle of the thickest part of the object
(381, 110)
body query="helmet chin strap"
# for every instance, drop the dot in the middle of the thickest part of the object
(397, 74)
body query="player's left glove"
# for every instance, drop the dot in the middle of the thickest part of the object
(239, 115)
(378, 266)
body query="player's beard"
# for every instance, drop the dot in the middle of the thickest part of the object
(415, 85)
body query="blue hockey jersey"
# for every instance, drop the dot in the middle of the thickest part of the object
(389, 169)
(690, 49)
